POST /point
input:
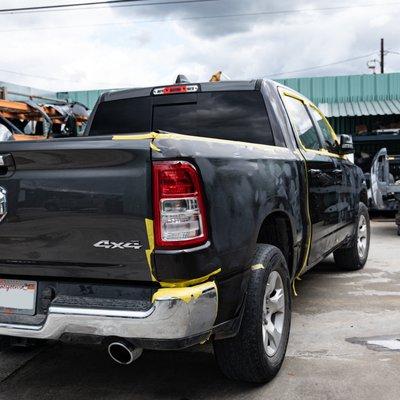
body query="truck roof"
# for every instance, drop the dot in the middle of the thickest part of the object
(253, 84)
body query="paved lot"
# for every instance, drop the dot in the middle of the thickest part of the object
(341, 325)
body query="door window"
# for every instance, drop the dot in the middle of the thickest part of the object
(325, 129)
(302, 123)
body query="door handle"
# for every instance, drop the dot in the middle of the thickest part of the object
(6, 164)
(338, 172)
(6, 160)
(315, 172)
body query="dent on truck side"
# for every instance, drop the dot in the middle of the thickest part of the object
(243, 184)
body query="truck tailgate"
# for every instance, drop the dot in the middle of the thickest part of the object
(77, 208)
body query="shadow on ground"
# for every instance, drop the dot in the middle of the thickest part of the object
(86, 372)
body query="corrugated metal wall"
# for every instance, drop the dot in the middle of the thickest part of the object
(12, 89)
(335, 89)
(348, 88)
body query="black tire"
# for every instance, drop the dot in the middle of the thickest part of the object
(348, 258)
(244, 357)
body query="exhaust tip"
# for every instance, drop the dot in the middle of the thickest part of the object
(124, 353)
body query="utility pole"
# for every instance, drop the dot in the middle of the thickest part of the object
(382, 56)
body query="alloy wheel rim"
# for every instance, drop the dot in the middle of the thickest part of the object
(362, 237)
(273, 313)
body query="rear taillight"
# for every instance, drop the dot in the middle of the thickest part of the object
(179, 212)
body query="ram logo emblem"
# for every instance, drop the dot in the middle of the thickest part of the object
(108, 244)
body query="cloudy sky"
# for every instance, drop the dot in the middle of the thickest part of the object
(115, 47)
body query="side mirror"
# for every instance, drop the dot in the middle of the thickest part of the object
(346, 145)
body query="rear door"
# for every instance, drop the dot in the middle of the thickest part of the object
(322, 184)
(77, 208)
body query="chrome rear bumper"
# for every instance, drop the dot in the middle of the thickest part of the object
(176, 313)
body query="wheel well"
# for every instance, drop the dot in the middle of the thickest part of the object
(276, 230)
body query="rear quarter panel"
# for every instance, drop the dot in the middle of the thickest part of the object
(243, 184)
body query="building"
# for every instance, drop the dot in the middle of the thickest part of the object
(354, 104)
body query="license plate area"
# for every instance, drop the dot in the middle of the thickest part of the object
(17, 297)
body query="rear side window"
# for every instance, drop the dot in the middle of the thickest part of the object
(233, 115)
(302, 123)
(122, 116)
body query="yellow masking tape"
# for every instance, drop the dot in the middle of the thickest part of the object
(150, 239)
(309, 232)
(178, 136)
(154, 147)
(185, 294)
(151, 135)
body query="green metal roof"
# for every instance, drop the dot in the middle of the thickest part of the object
(347, 88)
(360, 108)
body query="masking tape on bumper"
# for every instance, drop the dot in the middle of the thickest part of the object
(185, 294)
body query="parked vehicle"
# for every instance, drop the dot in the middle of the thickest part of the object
(383, 184)
(202, 204)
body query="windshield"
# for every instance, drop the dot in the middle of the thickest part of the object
(233, 115)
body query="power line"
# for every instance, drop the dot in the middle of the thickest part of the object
(268, 75)
(93, 5)
(201, 17)
(47, 78)
(57, 6)
(319, 66)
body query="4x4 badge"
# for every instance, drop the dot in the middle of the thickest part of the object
(3, 203)
(108, 244)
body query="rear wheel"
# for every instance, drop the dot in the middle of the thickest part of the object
(256, 353)
(354, 256)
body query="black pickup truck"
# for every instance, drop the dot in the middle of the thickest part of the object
(184, 214)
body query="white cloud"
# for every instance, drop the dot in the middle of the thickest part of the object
(128, 53)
